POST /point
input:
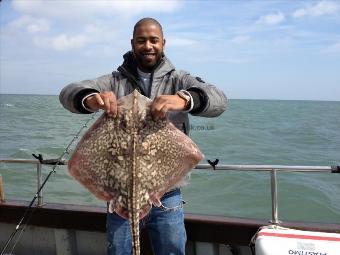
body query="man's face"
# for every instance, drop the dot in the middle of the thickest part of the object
(147, 45)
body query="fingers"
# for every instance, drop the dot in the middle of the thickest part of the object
(109, 103)
(105, 100)
(99, 99)
(159, 111)
(164, 103)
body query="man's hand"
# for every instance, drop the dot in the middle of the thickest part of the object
(164, 103)
(105, 100)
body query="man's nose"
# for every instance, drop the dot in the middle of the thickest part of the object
(148, 45)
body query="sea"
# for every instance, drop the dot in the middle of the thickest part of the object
(256, 132)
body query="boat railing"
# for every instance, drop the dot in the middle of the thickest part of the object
(272, 169)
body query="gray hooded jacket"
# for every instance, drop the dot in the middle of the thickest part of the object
(165, 80)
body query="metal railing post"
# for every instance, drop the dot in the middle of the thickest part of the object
(39, 182)
(275, 218)
(2, 191)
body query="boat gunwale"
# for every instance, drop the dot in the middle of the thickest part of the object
(202, 228)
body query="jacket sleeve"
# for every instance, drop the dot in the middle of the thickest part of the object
(72, 95)
(212, 100)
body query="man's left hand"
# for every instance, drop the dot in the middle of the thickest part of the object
(164, 103)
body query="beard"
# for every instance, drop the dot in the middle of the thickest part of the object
(148, 62)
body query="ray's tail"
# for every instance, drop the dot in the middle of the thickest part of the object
(134, 206)
(135, 234)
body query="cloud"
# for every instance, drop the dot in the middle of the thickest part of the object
(235, 60)
(30, 24)
(65, 25)
(174, 41)
(88, 9)
(334, 48)
(272, 19)
(319, 9)
(283, 42)
(61, 42)
(240, 39)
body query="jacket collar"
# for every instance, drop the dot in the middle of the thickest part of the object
(129, 67)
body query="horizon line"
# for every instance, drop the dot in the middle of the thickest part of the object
(273, 99)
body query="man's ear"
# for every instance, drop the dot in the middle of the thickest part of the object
(132, 44)
(164, 43)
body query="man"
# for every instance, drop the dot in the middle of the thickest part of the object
(175, 94)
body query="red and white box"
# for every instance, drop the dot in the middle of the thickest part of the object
(273, 240)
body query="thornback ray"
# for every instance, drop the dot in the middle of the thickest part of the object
(133, 160)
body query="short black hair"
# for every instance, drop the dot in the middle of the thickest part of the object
(147, 21)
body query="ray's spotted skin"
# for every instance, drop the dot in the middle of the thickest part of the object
(133, 160)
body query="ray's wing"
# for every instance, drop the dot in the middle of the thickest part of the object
(102, 159)
(168, 155)
(91, 159)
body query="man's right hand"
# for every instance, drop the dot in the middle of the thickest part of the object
(106, 101)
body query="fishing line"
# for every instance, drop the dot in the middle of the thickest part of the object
(21, 226)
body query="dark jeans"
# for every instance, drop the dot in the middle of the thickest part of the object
(165, 225)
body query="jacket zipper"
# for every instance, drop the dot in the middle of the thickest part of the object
(132, 79)
(150, 85)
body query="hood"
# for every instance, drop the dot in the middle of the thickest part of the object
(129, 66)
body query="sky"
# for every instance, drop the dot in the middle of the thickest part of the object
(265, 49)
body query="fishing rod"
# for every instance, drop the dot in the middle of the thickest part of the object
(21, 226)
